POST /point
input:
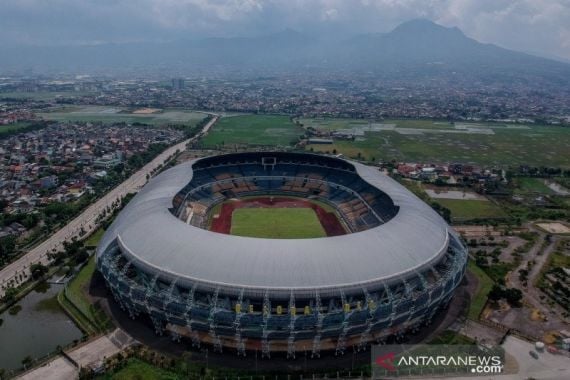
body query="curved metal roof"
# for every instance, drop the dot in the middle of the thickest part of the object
(159, 242)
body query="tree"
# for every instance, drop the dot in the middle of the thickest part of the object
(513, 296)
(10, 295)
(7, 247)
(38, 270)
(27, 361)
(496, 293)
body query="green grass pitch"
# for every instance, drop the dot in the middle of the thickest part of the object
(277, 223)
(471, 209)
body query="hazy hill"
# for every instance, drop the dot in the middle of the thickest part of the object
(418, 47)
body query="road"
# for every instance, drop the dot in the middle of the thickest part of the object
(531, 294)
(19, 270)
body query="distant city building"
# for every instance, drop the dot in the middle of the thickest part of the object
(177, 83)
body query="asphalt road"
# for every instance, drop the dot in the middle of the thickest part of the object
(87, 220)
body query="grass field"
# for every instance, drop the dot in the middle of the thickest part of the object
(277, 223)
(93, 240)
(117, 115)
(136, 369)
(253, 130)
(8, 129)
(90, 316)
(78, 287)
(442, 142)
(483, 288)
(532, 185)
(471, 209)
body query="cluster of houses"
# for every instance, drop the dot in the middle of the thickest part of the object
(61, 162)
(450, 174)
(9, 116)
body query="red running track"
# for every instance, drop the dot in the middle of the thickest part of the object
(223, 222)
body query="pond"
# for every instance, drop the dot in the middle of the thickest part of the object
(37, 329)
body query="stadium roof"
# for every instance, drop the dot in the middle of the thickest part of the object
(159, 242)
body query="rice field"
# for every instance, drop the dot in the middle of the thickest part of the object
(105, 114)
(443, 142)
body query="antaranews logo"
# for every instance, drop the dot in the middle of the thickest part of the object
(396, 360)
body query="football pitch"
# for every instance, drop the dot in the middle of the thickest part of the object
(277, 223)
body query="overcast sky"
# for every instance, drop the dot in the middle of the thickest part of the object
(539, 26)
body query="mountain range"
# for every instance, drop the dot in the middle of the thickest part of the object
(417, 46)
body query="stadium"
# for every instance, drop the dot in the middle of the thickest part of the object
(280, 252)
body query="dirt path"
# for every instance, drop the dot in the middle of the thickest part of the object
(531, 294)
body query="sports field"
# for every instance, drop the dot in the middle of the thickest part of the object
(443, 142)
(532, 185)
(275, 217)
(471, 209)
(277, 223)
(117, 115)
(253, 130)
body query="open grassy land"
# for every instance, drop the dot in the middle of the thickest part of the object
(277, 223)
(483, 288)
(117, 115)
(75, 300)
(532, 185)
(253, 130)
(432, 141)
(471, 209)
(43, 95)
(93, 240)
(10, 128)
(136, 369)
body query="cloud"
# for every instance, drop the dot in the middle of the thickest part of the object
(529, 25)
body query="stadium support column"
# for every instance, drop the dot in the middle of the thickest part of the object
(391, 301)
(265, 349)
(211, 319)
(157, 322)
(341, 342)
(292, 316)
(170, 299)
(240, 345)
(365, 336)
(189, 305)
(409, 296)
(317, 339)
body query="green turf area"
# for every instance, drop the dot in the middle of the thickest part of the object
(118, 114)
(136, 369)
(471, 209)
(433, 141)
(277, 223)
(253, 130)
(93, 240)
(77, 288)
(483, 288)
(11, 129)
(532, 185)
(90, 317)
(14, 127)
